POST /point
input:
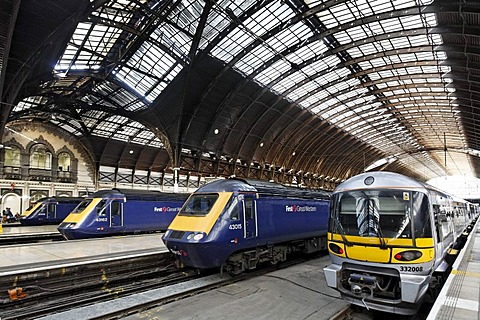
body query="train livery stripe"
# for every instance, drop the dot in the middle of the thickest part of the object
(399, 242)
(369, 250)
(201, 223)
(29, 212)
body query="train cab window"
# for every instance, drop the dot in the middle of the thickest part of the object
(232, 211)
(373, 213)
(199, 204)
(81, 206)
(42, 209)
(101, 207)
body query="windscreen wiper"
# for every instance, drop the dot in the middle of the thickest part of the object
(342, 233)
(381, 237)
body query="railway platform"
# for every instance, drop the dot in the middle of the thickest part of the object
(16, 259)
(11, 230)
(460, 296)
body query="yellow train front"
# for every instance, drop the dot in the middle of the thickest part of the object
(391, 240)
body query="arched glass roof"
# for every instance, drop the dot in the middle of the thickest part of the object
(308, 86)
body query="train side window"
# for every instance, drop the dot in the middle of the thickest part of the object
(421, 224)
(438, 217)
(115, 208)
(51, 207)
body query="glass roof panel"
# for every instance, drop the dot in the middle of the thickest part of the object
(309, 51)
(149, 67)
(91, 42)
(273, 72)
(254, 59)
(72, 127)
(232, 44)
(186, 14)
(30, 102)
(252, 28)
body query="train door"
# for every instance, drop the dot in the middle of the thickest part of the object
(116, 214)
(51, 211)
(249, 216)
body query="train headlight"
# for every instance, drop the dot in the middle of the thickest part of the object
(195, 236)
(409, 255)
(198, 236)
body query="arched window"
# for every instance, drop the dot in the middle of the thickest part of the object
(12, 157)
(63, 161)
(40, 157)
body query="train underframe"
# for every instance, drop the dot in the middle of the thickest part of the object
(379, 288)
(249, 259)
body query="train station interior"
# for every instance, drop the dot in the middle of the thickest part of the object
(171, 95)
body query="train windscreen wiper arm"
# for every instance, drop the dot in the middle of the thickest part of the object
(342, 233)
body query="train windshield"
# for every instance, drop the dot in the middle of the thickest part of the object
(81, 206)
(199, 204)
(380, 213)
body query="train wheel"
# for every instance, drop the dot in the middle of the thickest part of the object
(233, 270)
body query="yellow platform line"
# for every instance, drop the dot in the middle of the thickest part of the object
(466, 273)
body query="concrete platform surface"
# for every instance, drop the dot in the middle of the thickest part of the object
(298, 292)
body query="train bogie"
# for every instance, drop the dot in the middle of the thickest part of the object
(239, 223)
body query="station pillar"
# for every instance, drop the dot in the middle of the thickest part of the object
(176, 178)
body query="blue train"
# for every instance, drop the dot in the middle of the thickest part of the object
(118, 211)
(237, 223)
(51, 210)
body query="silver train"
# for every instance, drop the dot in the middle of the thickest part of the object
(392, 240)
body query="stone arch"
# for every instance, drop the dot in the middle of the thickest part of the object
(14, 143)
(83, 149)
(40, 140)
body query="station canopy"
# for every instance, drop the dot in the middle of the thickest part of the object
(304, 90)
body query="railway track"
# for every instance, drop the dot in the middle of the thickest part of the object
(99, 285)
(211, 282)
(33, 295)
(29, 239)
